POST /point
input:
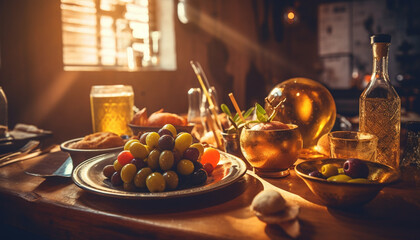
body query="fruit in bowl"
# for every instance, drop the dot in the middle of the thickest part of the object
(345, 182)
(142, 123)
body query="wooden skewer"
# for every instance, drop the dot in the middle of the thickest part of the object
(235, 105)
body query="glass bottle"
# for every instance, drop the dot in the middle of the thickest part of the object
(3, 114)
(380, 105)
(204, 109)
(194, 114)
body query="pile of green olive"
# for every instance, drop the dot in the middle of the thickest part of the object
(162, 161)
(353, 171)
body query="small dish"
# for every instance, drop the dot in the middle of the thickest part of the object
(88, 176)
(142, 129)
(79, 155)
(345, 194)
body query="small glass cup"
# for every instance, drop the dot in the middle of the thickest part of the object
(352, 144)
(111, 108)
(411, 154)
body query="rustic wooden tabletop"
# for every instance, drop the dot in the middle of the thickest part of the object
(56, 208)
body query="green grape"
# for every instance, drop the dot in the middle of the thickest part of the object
(153, 159)
(171, 180)
(185, 167)
(152, 139)
(182, 142)
(128, 172)
(155, 182)
(166, 160)
(141, 176)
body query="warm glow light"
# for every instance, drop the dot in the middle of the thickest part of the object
(130, 57)
(291, 15)
(140, 30)
(305, 109)
(106, 21)
(85, 44)
(237, 41)
(182, 15)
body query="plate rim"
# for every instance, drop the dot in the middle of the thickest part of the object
(162, 195)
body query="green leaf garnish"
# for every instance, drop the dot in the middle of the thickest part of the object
(225, 109)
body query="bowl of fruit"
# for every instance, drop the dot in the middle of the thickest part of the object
(142, 123)
(345, 182)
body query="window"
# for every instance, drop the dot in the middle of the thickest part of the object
(121, 35)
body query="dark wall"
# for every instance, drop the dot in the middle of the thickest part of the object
(239, 43)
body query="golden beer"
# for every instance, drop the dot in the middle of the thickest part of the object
(112, 108)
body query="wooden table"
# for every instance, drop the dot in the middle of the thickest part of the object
(56, 208)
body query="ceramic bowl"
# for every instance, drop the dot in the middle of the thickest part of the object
(80, 155)
(345, 194)
(271, 152)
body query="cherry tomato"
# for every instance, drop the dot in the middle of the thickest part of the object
(124, 157)
(210, 155)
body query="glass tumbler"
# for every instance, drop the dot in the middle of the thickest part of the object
(194, 113)
(411, 154)
(352, 144)
(111, 108)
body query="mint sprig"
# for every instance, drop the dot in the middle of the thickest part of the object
(236, 122)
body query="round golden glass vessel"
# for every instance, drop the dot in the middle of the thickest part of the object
(271, 152)
(306, 103)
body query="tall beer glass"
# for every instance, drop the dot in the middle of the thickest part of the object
(112, 108)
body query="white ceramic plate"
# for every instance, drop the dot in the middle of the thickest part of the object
(88, 176)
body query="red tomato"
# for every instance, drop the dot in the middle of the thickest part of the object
(124, 157)
(210, 155)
